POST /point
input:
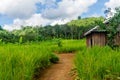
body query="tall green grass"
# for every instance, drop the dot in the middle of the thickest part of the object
(24, 61)
(21, 62)
(98, 63)
(68, 46)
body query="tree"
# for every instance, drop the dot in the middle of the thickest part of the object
(1, 27)
(79, 17)
(112, 27)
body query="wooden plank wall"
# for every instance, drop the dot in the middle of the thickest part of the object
(88, 41)
(99, 39)
(117, 39)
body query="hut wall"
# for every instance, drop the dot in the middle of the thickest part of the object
(88, 41)
(99, 39)
(117, 39)
(96, 39)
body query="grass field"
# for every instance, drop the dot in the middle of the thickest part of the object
(21, 62)
(25, 61)
(98, 63)
(68, 46)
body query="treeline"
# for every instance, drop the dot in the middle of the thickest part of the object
(72, 30)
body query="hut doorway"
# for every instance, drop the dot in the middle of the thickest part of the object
(91, 43)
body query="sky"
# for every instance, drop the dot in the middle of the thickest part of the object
(17, 13)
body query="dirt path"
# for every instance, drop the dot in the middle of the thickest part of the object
(61, 70)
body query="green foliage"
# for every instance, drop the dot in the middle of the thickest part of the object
(69, 46)
(72, 30)
(1, 27)
(54, 58)
(85, 22)
(59, 42)
(98, 64)
(1, 41)
(79, 27)
(8, 37)
(111, 27)
(21, 40)
(22, 62)
(79, 17)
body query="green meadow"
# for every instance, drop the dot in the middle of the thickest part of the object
(98, 63)
(23, 62)
(26, 61)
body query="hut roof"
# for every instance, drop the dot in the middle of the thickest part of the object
(95, 29)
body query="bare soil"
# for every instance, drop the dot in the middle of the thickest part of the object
(61, 70)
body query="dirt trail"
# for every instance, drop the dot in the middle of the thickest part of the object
(61, 70)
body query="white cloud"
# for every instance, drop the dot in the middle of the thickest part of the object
(34, 20)
(112, 3)
(18, 8)
(52, 12)
(59, 22)
(68, 9)
(16, 25)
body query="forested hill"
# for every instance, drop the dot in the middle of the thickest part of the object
(72, 30)
(85, 22)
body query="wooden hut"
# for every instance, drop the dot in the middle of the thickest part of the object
(99, 37)
(117, 39)
(96, 37)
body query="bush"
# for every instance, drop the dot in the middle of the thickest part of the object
(54, 58)
(21, 40)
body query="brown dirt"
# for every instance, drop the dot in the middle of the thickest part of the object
(61, 70)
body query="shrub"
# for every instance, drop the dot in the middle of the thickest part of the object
(54, 58)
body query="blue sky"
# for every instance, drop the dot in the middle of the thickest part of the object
(97, 9)
(43, 12)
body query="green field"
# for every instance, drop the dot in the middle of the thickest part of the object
(22, 62)
(98, 63)
(26, 61)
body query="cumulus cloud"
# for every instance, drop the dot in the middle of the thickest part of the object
(34, 20)
(52, 12)
(17, 23)
(112, 4)
(59, 21)
(18, 8)
(68, 9)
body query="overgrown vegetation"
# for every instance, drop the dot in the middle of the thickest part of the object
(111, 26)
(68, 46)
(72, 30)
(23, 62)
(98, 64)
